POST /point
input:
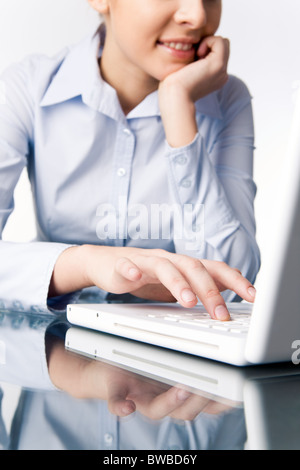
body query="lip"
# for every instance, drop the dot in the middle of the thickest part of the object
(181, 48)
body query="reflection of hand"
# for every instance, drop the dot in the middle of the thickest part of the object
(175, 402)
(154, 273)
(124, 391)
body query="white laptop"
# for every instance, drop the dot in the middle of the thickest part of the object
(267, 333)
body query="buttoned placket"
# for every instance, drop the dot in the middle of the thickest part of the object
(122, 164)
(109, 426)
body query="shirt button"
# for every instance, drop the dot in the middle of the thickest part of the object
(126, 131)
(196, 227)
(180, 160)
(108, 438)
(186, 183)
(121, 172)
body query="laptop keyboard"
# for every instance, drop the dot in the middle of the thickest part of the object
(239, 323)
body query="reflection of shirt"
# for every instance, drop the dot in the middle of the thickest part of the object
(102, 178)
(55, 420)
(49, 419)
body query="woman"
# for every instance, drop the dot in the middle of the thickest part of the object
(143, 113)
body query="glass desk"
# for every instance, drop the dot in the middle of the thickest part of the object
(73, 389)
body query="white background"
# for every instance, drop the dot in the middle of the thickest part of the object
(265, 44)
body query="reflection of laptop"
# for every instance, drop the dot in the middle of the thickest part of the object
(267, 395)
(272, 413)
(275, 319)
(219, 382)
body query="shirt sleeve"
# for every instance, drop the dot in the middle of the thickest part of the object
(212, 179)
(24, 361)
(25, 268)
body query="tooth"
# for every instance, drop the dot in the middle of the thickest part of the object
(179, 46)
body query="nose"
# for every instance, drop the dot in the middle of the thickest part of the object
(192, 13)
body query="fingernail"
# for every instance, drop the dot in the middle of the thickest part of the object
(183, 394)
(128, 408)
(133, 272)
(187, 295)
(222, 313)
(252, 291)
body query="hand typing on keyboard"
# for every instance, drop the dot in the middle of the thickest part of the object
(150, 274)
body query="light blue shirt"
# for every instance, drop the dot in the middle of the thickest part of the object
(97, 174)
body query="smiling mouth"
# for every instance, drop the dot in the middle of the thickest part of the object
(178, 46)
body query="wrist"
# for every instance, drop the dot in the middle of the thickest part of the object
(70, 272)
(178, 114)
(86, 259)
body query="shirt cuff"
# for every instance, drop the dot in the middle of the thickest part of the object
(25, 274)
(183, 161)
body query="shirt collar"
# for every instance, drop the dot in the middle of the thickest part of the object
(74, 75)
(78, 75)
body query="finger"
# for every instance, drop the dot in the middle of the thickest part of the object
(197, 404)
(216, 408)
(209, 294)
(187, 278)
(217, 44)
(231, 278)
(203, 49)
(164, 404)
(204, 286)
(169, 276)
(121, 407)
(214, 44)
(191, 408)
(116, 400)
(217, 57)
(127, 269)
(154, 292)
